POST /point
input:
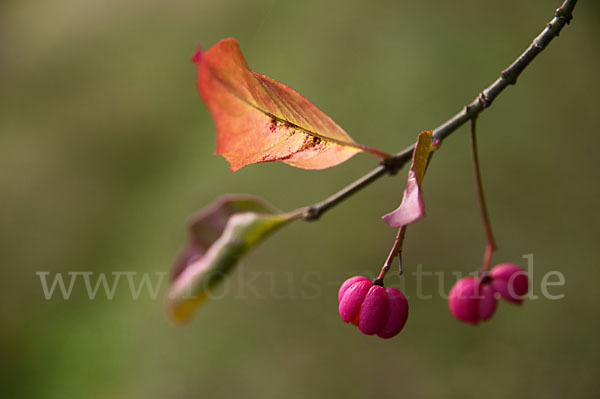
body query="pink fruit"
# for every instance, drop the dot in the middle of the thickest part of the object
(510, 282)
(472, 300)
(373, 308)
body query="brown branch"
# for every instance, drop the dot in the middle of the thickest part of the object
(484, 99)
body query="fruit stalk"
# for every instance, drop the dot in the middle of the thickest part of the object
(491, 243)
(396, 250)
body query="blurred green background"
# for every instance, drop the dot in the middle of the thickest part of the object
(106, 149)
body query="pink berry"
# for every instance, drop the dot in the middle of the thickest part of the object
(510, 282)
(373, 308)
(471, 300)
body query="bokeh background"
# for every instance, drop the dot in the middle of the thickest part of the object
(106, 149)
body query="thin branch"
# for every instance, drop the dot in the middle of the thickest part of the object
(390, 166)
(485, 217)
(508, 77)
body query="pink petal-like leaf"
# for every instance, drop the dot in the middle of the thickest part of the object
(412, 207)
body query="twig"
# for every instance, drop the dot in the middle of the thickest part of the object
(508, 77)
(390, 166)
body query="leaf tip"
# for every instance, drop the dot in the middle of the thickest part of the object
(181, 311)
(197, 55)
(234, 166)
(400, 217)
(388, 218)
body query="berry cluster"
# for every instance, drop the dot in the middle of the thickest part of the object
(383, 311)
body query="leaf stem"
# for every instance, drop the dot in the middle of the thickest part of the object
(381, 154)
(485, 217)
(484, 99)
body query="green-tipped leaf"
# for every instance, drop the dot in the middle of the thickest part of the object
(218, 237)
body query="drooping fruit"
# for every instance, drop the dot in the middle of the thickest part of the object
(373, 308)
(474, 299)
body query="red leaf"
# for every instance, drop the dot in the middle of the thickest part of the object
(412, 207)
(259, 119)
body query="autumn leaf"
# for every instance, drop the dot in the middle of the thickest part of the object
(259, 119)
(218, 237)
(412, 207)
